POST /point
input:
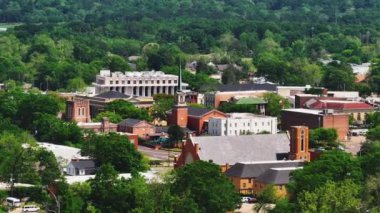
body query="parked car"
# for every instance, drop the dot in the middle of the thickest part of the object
(252, 200)
(13, 202)
(30, 208)
(245, 199)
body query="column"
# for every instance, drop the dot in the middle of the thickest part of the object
(149, 91)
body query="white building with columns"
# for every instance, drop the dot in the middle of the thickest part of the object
(242, 124)
(143, 84)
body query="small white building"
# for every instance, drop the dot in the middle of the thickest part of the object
(242, 124)
(81, 167)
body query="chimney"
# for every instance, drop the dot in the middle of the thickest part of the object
(105, 124)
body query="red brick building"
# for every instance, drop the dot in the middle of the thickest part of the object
(78, 110)
(195, 119)
(137, 127)
(316, 119)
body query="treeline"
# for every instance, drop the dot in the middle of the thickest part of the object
(345, 11)
(63, 44)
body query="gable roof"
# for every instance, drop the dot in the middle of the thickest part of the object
(194, 111)
(130, 122)
(247, 87)
(257, 169)
(276, 175)
(83, 164)
(243, 148)
(112, 95)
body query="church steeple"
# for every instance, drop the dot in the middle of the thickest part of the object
(180, 95)
(180, 77)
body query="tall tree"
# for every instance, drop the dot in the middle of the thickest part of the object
(206, 186)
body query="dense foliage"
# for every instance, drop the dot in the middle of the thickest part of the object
(124, 157)
(63, 44)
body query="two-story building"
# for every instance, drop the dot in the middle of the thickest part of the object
(242, 124)
(143, 83)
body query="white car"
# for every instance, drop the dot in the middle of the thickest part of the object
(30, 208)
(245, 199)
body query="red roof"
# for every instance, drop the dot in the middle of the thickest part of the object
(340, 105)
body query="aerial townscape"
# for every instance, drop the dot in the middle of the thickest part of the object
(190, 106)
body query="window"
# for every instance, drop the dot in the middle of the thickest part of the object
(268, 123)
(163, 81)
(134, 82)
(249, 180)
(158, 81)
(302, 140)
(117, 82)
(152, 82)
(235, 124)
(255, 123)
(146, 82)
(175, 81)
(235, 132)
(244, 185)
(140, 82)
(123, 82)
(111, 82)
(129, 82)
(249, 124)
(170, 81)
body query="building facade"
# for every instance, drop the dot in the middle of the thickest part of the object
(242, 124)
(78, 110)
(138, 127)
(316, 119)
(227, 92)
(144, 83)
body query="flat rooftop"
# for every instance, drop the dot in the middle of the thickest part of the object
(306, 111)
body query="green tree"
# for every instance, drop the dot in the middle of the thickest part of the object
(49, 170)
(331, 197)
(52, 129)
(176, 133)
(112, 116)
(127, 110)
(370, 157)
(275, 104)
(331, 166)
(205, 186)
(371, 195)
(321, 137)
(162, 104)
(124, 158)
(76, 84)
(266, 196)
(373, 134)
(110, 193)
(338, 77)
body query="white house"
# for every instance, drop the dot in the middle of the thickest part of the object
(242, 124)
(80, 167)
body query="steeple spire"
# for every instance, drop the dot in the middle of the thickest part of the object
(180, 77)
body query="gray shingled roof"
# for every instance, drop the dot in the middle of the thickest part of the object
(247, 87)
(257, 169)
(112, 95)
(83, 164)
(129, 122)
(243, 148)
(193, 111)
(276, 176)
